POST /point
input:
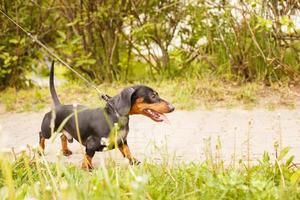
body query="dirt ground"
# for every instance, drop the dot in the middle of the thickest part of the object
(184, 139)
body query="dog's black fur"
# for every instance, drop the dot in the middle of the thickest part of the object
(95, 124)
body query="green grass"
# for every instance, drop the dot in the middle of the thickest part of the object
(188, 95)
(35, 178)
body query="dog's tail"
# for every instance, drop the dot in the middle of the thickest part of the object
(52, 88)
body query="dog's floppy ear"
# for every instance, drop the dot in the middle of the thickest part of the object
(122, 101)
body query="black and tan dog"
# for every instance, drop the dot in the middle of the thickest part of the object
(95, 125)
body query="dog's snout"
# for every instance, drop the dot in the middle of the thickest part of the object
(171, 107)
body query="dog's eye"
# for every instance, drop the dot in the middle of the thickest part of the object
(154, 95)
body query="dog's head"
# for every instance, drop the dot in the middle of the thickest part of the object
(143, 100)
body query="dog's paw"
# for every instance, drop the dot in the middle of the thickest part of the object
(134, 161)
(67, 152)
(40, 151)
(87, 166)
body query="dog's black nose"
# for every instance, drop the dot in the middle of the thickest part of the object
(171, 107)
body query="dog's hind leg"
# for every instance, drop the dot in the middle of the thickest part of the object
(64, 144)
(41, 143)
(45, 132)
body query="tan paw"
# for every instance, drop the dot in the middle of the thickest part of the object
(67, 152)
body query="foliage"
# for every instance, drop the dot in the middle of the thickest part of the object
(204, 93)
(15, 47)
(35, 178)
(119, 40)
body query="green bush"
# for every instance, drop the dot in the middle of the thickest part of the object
(133, 40)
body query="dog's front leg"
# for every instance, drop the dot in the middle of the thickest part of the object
(92, 144)
(87, 162)
(127, 154)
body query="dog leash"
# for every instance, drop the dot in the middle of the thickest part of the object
(105, 97)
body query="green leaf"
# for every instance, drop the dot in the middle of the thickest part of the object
(22, 41)
(76, 41)
(289, 161)
(266, 157)
(86, 61)
(295, 177)
(73, 23)
(13, 41)
(62, 34)
(283, 152)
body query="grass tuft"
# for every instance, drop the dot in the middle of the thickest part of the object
(35, 178)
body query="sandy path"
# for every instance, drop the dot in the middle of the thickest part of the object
(184, 137)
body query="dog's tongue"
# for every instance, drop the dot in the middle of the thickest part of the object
(164, 118)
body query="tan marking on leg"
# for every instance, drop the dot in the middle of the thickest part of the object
(127, 154)
(64, 145)
(87, 162)
(42, 144)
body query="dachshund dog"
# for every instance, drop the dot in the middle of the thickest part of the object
(93, 128)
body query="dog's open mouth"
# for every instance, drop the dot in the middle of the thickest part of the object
(154, 115)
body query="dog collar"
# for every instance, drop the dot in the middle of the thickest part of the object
(115, 111)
